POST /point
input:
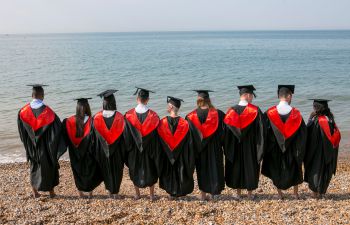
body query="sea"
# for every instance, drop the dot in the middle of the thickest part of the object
(172, 64)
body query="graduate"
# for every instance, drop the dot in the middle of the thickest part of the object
(209, 161)
(285, 143)
(321, 156)
(178, 147)
(110, 142)
(143, 156)
(40, 130)
(244, 143)
(78, 137)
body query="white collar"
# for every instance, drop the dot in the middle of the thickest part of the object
(284, 108)
(108, 113)
(283, 103)
(141, 108)
(36, 103)
(243, 102)
(86, 117)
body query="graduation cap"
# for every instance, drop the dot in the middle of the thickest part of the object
(288, 87)
(174, 101)
(37, 89)
(37, 85)
(203, 93)
(246, 89)
(323, 102)
(82, 99)
(142, 92)
(107, 93)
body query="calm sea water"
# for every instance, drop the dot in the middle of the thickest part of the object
(82, 65)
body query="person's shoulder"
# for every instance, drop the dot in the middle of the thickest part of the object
(220, 112)
(191, 112)
(118, 114)
(229, 109)
(258, 109)
(49, 110)
(271, 108)
(181, 118)
(164, 118)
(130, 111)
(26, 106)
(69, 118)
(296, 110)
(99, 113)
(152, 112)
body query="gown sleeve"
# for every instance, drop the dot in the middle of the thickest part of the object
(300, 143)
(128, 141)
(192, 152)
(260, 134)
(269, 135)
(335, 161)
(64, 132)
(160, 155)
(156, 152)
(95, 146)
(57, 145)
(334, 155)
(24, 137)
(228, 142)
(312, 142)
(222, 127)
(195, 139)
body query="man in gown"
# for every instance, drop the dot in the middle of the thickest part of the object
(144, 153)
(285, 144)
(178, 147)
(40, 130)
(244, 143)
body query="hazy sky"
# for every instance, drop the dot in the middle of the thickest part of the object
(47, 16)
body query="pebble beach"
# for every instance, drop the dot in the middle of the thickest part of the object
(17, 206)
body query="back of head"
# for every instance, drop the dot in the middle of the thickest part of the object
(38, 93)
(143, 99)
(204, 102)
(174, 109)
(174, 104)
(109, 103)
(142, 95)
(82, 109)
(284, 92)
(322, 110)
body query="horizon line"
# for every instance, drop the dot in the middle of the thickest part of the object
(178, 31)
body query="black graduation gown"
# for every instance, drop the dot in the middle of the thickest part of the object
(282, 161)
(209, 159)
(44, 147)
(145, 151)
(84, 166)
(320, 158)
(111, 156)
(243, 152)
(177, 166)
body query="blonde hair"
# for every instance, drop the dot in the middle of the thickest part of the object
(205, 102)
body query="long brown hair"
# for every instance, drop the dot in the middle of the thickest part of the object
(83, 108)
(205, 102)
(322, 110)
(109, 103)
